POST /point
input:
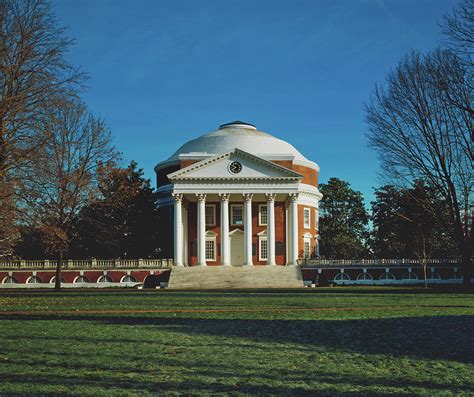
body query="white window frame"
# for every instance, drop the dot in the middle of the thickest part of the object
(260, 223)
(232, 206)
(213, 240)
(213, 207)
(307, 210)
(316, 219)
(260, 240)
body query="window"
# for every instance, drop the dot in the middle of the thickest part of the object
(34, 280)
(387, 276)
(307, 218)
(433, 275)
(10, 280)
(307, 249)
(263, 249)
(105, 279)
(262, 215)
(316, 220)
(128, 279)
(341, 277)
(81, 279)
(364, 276)
(53, 280)
(210, 249)
(210, 215)
(237, 214)
(409, 276)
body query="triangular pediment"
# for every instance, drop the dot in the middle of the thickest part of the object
(236, 164)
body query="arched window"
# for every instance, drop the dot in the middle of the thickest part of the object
(53, 280)
(34, 280)
(409, 276)
(10, 280)
(341, 277)
(433, 276)
(81, 280)
(128, 279)
(364, 276)
(105, 279)
(387, 276)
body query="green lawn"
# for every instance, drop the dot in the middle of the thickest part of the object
(328, 341)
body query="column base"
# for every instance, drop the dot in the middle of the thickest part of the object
(202, 264)
(271, 264)
(293, 263)
(248, 264)
(179, 264)
(225, 264)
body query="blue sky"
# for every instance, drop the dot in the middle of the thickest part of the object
(164, 72)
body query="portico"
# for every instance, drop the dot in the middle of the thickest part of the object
(245, 199)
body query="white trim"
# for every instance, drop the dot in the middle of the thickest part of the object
(260, 223)
(232, 206)
(213, 206)
(307, 210)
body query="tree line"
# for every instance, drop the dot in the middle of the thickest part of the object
(399, 223)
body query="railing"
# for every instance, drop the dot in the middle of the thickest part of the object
(87, 264)
(376, 262)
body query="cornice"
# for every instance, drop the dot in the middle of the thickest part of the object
(181, 174)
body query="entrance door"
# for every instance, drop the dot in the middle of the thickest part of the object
(237, 248)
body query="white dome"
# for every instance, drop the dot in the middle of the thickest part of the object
(242, 136)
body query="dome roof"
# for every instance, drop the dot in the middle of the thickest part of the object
(243, 136)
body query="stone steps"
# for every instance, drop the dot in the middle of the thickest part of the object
(235, 277)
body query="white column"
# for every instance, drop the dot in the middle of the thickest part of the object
(271, 228)
(178, 229)
(201, 229)
(248, 228)
(294, 228)
(225, 243)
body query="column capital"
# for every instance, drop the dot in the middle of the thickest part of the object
(293, 196)
(270, 196)
(201, 197)
(247, 196)
(178, 197)
(224, 196)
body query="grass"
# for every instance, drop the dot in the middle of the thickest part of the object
(328, 341)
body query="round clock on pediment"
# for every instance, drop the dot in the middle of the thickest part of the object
(235, 167)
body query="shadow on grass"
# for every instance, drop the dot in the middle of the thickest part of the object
(435, 337)
(332, 385)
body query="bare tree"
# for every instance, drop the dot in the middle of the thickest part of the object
(458, 27)
(63, 175)
(34, 75)
(420, 133)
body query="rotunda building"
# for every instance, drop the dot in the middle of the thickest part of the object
(238, 196)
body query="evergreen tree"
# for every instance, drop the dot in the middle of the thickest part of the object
(343, 221)
(123, 222)
(411, 223)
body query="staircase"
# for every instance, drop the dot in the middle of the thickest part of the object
(235, 277)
